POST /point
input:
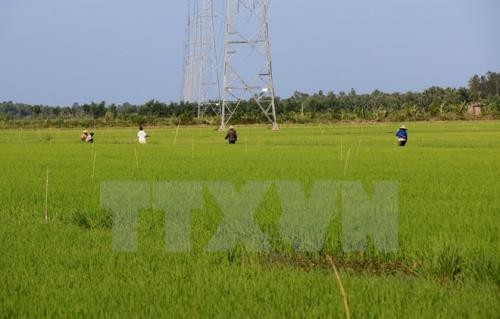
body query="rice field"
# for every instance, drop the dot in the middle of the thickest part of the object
(56, 237)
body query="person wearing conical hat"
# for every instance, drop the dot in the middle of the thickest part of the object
(402, 135)
(84, 136)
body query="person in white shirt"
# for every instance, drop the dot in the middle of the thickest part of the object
(141, 135)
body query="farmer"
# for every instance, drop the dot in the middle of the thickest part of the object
(90, 138)
(231, 135)
(141, 135)
(402, 135)
(84, 136)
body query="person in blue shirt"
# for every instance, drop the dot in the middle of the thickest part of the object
(402, 135)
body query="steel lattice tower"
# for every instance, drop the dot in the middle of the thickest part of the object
(201, 84)
(188, 67)
(187, 92)
(247, 59)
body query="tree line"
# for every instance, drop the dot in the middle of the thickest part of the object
(432, 103)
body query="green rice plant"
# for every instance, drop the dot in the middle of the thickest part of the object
(447, 264)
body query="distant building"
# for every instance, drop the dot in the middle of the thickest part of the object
(474, 108)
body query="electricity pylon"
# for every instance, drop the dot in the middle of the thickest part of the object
(247, 59)
(187, 91)
(201, 84)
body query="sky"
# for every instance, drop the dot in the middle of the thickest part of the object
(58, 52)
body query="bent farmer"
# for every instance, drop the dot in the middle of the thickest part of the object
(402, 135)
(90, 138)
(231, 135)
(84, 136)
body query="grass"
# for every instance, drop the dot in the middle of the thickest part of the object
(447, 266)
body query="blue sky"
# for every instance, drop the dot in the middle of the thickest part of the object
(63, 51)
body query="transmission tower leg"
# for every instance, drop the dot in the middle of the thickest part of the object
(248, 72)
